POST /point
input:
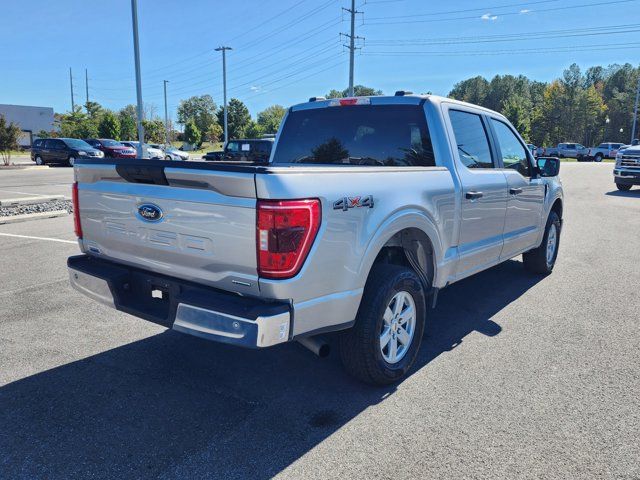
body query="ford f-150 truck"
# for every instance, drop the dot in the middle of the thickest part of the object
(367, 207)
(626, 172)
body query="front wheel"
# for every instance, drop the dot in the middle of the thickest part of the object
(167, 157)
(39, 160)
(598, 158)
(384, 342)
(543, 259)
(622, 187)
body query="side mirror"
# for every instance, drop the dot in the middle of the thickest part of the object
(548, 166)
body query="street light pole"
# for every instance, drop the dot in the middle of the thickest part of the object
(635, 112)
(166, 116)
(224, 88)
(136, 53)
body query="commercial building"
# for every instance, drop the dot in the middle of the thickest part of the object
(31, 120)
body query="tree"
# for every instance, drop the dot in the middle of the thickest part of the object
(128, 123)
(358, 91)
(9, 136)
(473, 90)
(253, 130)
(77, 124)
(192, 133)
(269, 119)
(238, 118)
(154, 131)
(200, 109)
(109, 126)
(214, 134)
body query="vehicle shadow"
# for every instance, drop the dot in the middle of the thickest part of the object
(629, 193)
(180, 407)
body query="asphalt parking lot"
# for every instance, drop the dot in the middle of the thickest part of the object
(518, 377)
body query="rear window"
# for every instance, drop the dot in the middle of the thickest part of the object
(376, 135)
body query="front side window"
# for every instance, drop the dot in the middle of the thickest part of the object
(371, 135)
(513, 154)
(233, 147)
(471, 138)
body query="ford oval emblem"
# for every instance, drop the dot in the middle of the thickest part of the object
(150, 212)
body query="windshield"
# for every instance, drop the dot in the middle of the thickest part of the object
(387, 135)
(111, 143)
(75, 143)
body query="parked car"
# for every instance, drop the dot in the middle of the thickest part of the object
(368, 207)
(626, 172)
(572, 150)
(604, 150)
(255, 150)
(62, 150)
(112, 148)
(150, 151)
(172, 153)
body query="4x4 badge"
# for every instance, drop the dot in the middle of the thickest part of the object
(353, 202)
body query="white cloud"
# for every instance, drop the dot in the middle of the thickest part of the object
(525, 11)
(254, 88)
(488, 16)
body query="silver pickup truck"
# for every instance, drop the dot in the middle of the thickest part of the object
(367, 207)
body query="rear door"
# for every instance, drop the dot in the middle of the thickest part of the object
(191, 223)
(484, 191)
(525, 193)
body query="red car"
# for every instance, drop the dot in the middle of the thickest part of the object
(111, 148)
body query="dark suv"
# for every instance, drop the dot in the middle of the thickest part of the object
(248, 150)
(62, 150)
(112, 148)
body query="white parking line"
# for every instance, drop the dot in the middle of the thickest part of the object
(38, 238)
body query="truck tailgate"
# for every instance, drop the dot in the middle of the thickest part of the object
(190, 223)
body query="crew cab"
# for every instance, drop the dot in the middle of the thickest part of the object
(367, 207)
(252, 150)
(604, 150)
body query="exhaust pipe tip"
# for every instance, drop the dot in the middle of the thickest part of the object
(318, 346)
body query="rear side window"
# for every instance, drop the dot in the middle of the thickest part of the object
(38, 143)
(471, 138)
(375, 135)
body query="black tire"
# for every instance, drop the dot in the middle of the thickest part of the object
(598, 157)
(71, 161)
(536, 260)
(40, 162)
(167, 157)
(359, 346)
(622, 187)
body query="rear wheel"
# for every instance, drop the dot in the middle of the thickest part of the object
(167, 157)
(384, 342)
(543, 259)
(71, 160)
(622, 187)
(39, 160)
(598, 157)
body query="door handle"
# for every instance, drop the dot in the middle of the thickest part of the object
(473, 195)
(515, 191)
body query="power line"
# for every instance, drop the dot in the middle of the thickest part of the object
(505, 14)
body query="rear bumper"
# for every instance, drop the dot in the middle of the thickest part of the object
(626, 177)
(184, 306)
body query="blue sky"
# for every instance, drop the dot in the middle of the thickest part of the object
(288, 50)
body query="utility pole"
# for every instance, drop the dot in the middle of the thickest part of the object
(166, 115)
(224, 88)
(352, 43)
(136, 53)
(86, 84)
(635, 112)
(73, 104)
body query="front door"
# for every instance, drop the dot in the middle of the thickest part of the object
(525, 193)
(484, 193)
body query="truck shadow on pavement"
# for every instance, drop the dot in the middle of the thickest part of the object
(174, 406)
(629, 193)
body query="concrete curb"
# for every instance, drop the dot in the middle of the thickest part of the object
(14, 202)
(23, 167)
(32, 216)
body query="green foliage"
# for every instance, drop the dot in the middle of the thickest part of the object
(253, 130)
(127, 117)
(572, 108)
(109, 126)
(214, 134)
(154, 131)
(239, 118)
(201, 110)
(77, 124)
(269, 119)
(192, 133)
(45, 134)
(358, 91)
(9, 136)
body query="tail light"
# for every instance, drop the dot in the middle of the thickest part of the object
(77, 227)
(285, 232)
